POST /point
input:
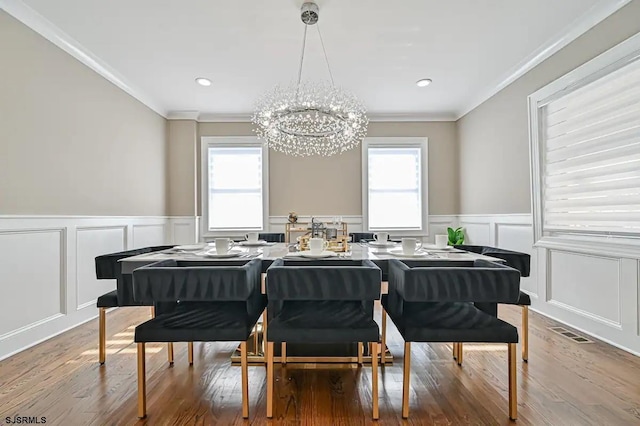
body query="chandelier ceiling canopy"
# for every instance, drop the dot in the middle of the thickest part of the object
(310, 118)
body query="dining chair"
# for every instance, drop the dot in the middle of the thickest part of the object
(220, 303)
(516, 260)
(108, 268)
(272, 237)
(415, 263)
(357, 237)
(436, 305)
(322, 303)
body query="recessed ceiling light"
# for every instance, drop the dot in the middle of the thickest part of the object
(203, 81)
(423, 82)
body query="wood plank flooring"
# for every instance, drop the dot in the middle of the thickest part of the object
(564, 383)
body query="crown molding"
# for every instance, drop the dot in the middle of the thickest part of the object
(64, 41)
(412, 116)
(373, 117)
(598, 13)
(210, 117)
(183, 115)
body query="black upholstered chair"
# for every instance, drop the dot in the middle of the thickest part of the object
(417, 263)
(521, 262)
(322, 302)
(272, 237)
(218, 303)
(357, 237)
(108, 268)
(436, 305)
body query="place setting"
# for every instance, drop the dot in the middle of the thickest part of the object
(381, 240)
(224, 248)
(252, 239)
(410, 248)
(317, 249)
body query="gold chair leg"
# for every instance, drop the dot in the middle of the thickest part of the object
(513, 386)
(142, 385)
(170, 352)
(360, 351)
(102, 332)
(460, 352)
(283, 353)
(269, 380)
(374, 379)
(255, 339)
(406, 373)
(383, 339)
(245, 379)
(264, 334)
(525, 333)
(190, 351)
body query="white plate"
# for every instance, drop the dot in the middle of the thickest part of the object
(382, 243)
(321, 255)
(192, 247)
(258, 243)
(433, 247)
(230, 253)
(400, 253)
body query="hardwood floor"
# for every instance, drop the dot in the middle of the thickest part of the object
(565, 383)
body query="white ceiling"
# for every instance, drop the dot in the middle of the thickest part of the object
(377, 48)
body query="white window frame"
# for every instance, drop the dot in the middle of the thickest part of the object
(604, 64)
(398, 142)
(232, 141)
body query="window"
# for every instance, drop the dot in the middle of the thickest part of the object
(395, 185)
(234, 184)
(586, 148)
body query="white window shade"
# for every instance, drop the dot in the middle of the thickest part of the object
(235, 188)
(395, 185)
(590, 156)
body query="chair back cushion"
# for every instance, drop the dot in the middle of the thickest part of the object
(485, 282)
(514, 259)
(272, 237)
(169, 280)
(356, 280)
(356, 237)
(108, 268)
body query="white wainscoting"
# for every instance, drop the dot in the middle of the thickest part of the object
(588, 288)
(48, 273)
(47, 268)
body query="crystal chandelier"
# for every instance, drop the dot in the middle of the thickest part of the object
(306, 118)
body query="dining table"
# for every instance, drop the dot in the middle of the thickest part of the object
(205, 253)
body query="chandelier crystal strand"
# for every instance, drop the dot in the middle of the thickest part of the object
(310, 118)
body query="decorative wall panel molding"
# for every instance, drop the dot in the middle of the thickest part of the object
(48, 271)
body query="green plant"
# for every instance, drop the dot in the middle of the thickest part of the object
(456, 236)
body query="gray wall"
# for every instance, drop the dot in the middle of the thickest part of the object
(71, 143)
(493, 138)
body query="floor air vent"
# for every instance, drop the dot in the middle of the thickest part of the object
(570, 335)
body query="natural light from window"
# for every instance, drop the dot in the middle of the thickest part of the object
(394, 188)
(235, 188)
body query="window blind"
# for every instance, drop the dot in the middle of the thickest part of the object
(591, 172)
(235, 188)
(394, 188)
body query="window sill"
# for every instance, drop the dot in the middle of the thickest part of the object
(595, 245)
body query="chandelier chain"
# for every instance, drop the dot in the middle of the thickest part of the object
(304, 43)
(325, 54)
